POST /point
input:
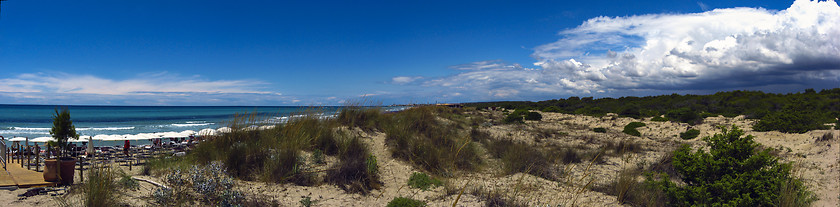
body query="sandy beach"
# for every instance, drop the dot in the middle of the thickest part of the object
(818, 163)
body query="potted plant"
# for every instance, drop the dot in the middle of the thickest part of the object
(61, 169)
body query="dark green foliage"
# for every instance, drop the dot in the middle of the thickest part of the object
(62, 129)
(690, 134)
(659, 119)
(422, 181)
(824, 105)
(631, 128)
(533, 116)
(600, 130)
(356, 170)
(405, 202)
(512, 118)
(734, 172)
(790, 120)
(684, 115)
(552, 109)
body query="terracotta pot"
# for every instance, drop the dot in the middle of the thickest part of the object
(68, 167)
(51, 170)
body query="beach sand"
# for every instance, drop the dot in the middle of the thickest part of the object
(819, 165)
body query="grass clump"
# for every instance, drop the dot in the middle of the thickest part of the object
(419, 136)
(100, 188)
(519, 157)
(600, 130)
(357, 170)
(735, 172)
(405, 202)
(422, 181)
(366, 118)
(630, 128)
(690, 134)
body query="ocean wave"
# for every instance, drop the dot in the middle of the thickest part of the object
(190, 125)
(30, 128)
(103, 128)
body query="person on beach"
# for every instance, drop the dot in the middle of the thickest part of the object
(126, 147)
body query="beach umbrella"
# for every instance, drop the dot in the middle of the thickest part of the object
(17, 139)
(42, 139)
(207, 132)
(188, 132)
(80, 139)
(223, 130)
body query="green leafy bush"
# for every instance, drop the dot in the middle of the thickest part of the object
(732, 173)
(631, 128)
(600, 130)
(405, 202)
(513, 118)
(422, 181)
(690, 134)
(684, 115)
(659, 119)
(789, 121)
(552, 109)
(533, 116)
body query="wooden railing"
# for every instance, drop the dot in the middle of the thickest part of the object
(3, 151)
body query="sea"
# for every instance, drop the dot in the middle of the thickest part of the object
(34, 121)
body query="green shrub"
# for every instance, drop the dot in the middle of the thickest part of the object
(600, 130)
(422, 181)
(789, 121)
(684, 115)
(659, 119)
(405, 202)
(513, 118)
(552, 109)
(533, 116)
(733, 173)
(690, 134)
(631, 128)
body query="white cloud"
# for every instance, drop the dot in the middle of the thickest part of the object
(145, 89)
(150, 84)
(722, 49)
(405, 79)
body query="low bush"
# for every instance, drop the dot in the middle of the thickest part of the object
(405, 202)
(690, 134)
(734, 171)
(366, 118)
(533, 116)
(659, 119)
(600, 130)
(552, 109)
(513, 119)
(631, 128)
(789, 121)
(208, 184)
(422, 181)
(684, 115)
(519, 157)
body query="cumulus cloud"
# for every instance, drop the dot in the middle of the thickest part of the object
(721, 49)
(148, 89)
(405, 79)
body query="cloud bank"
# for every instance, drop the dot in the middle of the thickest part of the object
(721, 49)
(148, 89)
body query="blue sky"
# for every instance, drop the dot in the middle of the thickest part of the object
(327, 52)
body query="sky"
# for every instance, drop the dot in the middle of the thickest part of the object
(400, 52)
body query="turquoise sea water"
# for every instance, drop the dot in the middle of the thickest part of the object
(36, 120)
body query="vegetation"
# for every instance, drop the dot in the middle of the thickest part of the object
(357, 170)
(405, 202)
(659, 119)
(533, 116)
(822, 107)
(734, 172)
(422, 181)
(62, 130)
(690, 134)
(794, 118)
(631, 128)
(100, 188)
(600, 130)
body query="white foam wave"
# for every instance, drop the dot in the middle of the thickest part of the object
(104, 128)
(30, 129)
(190, 124)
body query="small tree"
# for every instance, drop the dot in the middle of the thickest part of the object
(732, 173)
(62, 129)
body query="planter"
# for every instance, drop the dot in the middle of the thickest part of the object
(68, 167)
(51, 170)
